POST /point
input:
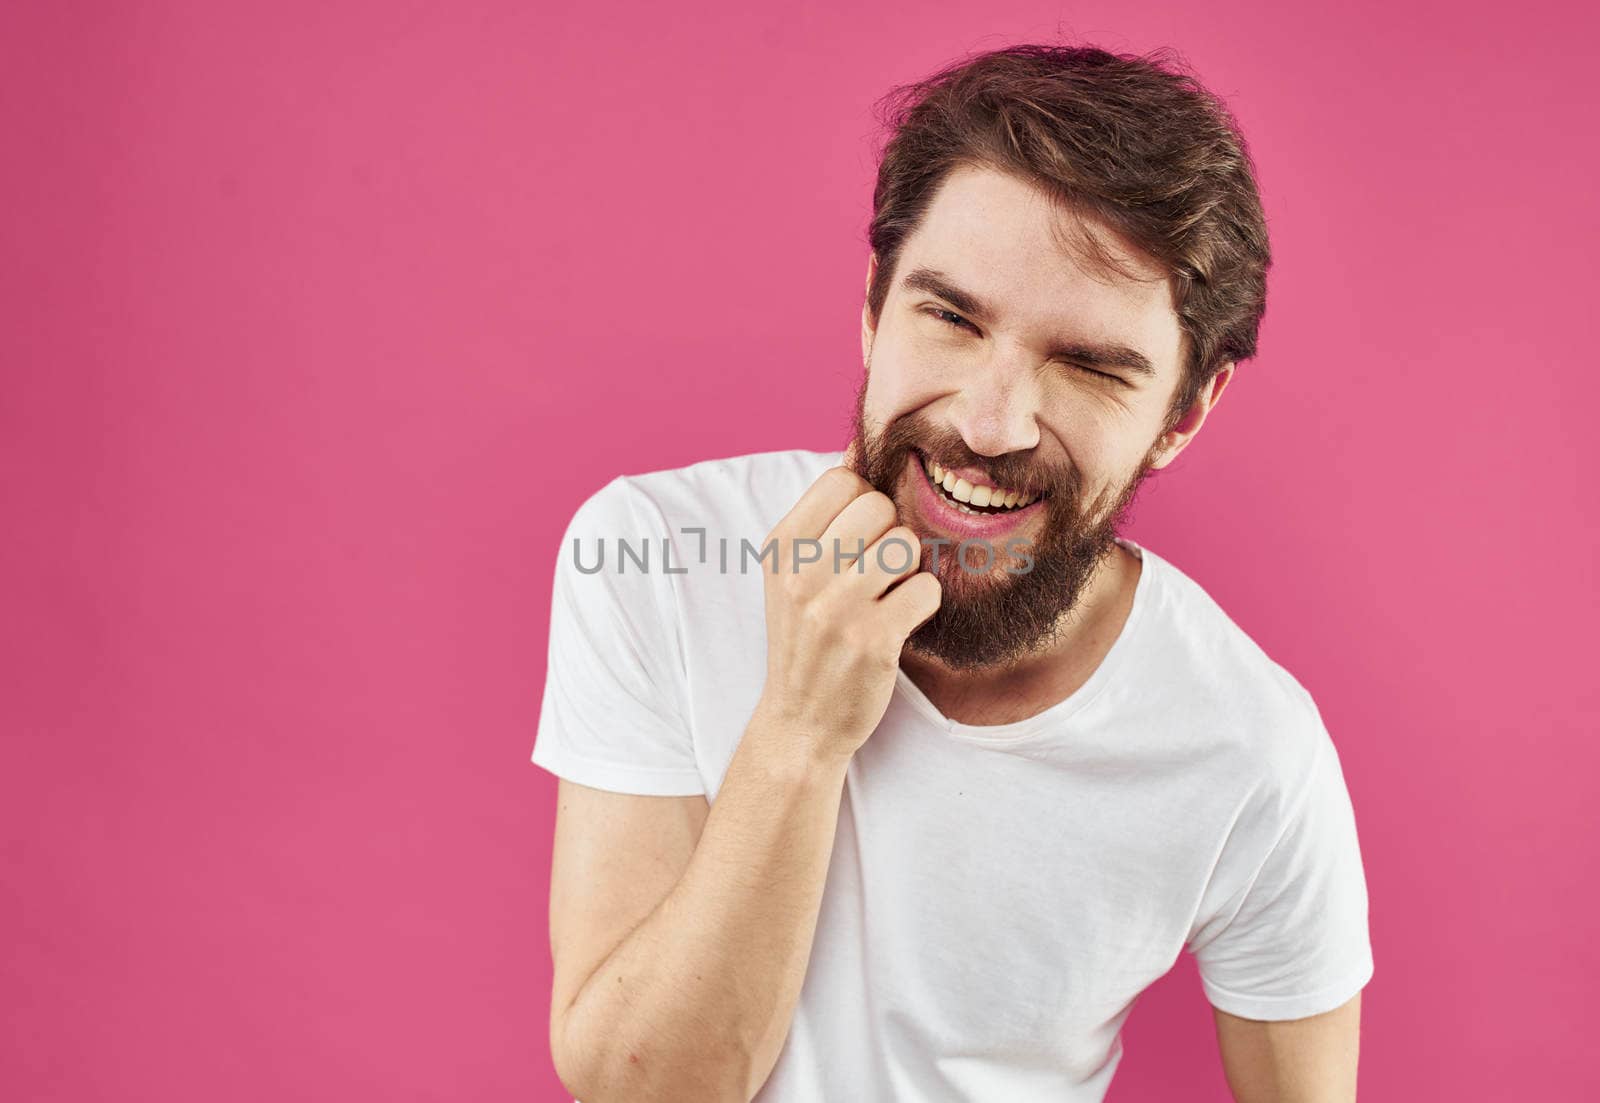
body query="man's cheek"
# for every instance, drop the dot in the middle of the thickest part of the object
(901, 385)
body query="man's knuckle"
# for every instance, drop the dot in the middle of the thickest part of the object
(842, 478)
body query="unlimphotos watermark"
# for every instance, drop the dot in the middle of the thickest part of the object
(894, 555)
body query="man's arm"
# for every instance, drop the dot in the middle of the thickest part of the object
(696, 1000)
(1310, 1060)
(681, 950)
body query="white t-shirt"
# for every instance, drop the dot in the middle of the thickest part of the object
(998, 896)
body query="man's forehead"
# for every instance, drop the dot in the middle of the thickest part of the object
(998, 220)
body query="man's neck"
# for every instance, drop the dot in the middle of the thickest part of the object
(1026, 688)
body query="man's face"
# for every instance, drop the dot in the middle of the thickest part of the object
(1007, 359)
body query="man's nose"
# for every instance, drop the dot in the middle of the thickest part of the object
(997, 411)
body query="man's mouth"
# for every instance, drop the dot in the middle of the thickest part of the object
(978, 499)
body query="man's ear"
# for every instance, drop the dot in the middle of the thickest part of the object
(868, 331)
(1177, 438)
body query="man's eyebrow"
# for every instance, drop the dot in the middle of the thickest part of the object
(934, 282)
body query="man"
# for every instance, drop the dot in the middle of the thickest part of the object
(841, 821)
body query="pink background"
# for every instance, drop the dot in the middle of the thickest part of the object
(319, 320)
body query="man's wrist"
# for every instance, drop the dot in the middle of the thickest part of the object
(792, 744)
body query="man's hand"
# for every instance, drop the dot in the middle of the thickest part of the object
(836, 624)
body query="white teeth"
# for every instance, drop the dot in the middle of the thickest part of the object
(981, 495)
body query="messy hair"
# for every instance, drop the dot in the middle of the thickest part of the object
(1135, 142)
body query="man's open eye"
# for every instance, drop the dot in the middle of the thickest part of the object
(949, 317)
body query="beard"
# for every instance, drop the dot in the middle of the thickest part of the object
(1009, 611)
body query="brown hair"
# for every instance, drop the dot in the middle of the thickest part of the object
(1133, 141)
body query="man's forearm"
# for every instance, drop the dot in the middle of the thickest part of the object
(696, 1002)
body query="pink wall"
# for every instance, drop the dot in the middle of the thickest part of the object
(318, 323)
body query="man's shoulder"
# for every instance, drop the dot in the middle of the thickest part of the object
(733, 497)
(753, 474)
(1248, 698)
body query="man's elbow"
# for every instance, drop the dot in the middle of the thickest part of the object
(595, 1073)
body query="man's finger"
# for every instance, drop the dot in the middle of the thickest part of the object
(836, 488)
(859, 524)
(891, 558)
(852, 456)
(913, 601)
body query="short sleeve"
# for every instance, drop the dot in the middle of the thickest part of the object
(1294, 940)
(613, 710)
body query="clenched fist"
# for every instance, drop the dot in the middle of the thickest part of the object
(837, 621)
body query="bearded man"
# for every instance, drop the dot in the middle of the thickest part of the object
(898, 773)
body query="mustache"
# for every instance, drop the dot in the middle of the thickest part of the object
(1019, 471)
